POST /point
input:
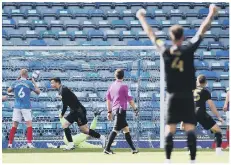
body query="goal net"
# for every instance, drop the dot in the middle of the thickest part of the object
(88, 72)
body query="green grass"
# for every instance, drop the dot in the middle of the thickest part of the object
(37, 150)
(96, 156)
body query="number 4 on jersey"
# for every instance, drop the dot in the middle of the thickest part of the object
(178, 64)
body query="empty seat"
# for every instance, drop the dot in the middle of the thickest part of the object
(222, 54)
(38, 43)
(210, 75)
(201, 65)
(119, 23)
(134, 43)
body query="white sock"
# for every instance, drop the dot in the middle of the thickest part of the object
(193, 161)
(167, 161)
(71, 143)
(218, 151)
(10, 145)
(29, 144)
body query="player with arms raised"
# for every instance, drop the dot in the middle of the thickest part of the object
(201, 96)
(180, 77)
(22, 107)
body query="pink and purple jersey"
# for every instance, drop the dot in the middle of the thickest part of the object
(119, 94)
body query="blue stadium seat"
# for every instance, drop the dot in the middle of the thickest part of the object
(71, 24)
(217, 65)
(63, 13)
(214, 95)
(226, 66)
(224, 76)
(4, 33)
(222, 96)
(38, 43)
(210, 75)
(204, 12)
(47, 34)
(215, 45)
(39, 23)
(103, 23)
(167, 23)
(127, 34)
(190, 33)
(208, 54)
(219, 104)
(201, 65)
(153, 23)
(32, 13)
(96, 13)
(197, 22)
(15, 13)
(119, 24)
(225, 23)
(57, 23)
(222, 54)
(81, 13)
(112, 13)
(8, 23)
(134, 43)
(88, 23)
(95, 33)
(147, 43)
(184, 23)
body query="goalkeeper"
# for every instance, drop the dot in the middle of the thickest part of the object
(79, 139)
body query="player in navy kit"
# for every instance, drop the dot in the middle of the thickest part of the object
(22, 107)
(180, 78)
(201, 96)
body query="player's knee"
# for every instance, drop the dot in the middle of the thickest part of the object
(29, 123)
(216, 129)
(169, 139)
(191, 137)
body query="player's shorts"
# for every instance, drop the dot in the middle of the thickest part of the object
(180, 107)
(120, 121)
(77, 116)
(227, 118)
(18, 114)
(205, 119)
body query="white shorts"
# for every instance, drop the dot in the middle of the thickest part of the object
(227, 118)
(19, 113)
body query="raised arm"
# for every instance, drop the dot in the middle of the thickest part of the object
(147, 28)
(36, 88)
(207, 22)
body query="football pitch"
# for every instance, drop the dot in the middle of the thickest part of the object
(96, 156)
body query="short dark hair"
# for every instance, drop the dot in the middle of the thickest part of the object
(119, 74)
(202, 79)
(176, 32)
(56, 79)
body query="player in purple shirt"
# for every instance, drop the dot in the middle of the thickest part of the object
(118, 96)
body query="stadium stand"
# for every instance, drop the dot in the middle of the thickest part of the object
(104, 24)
